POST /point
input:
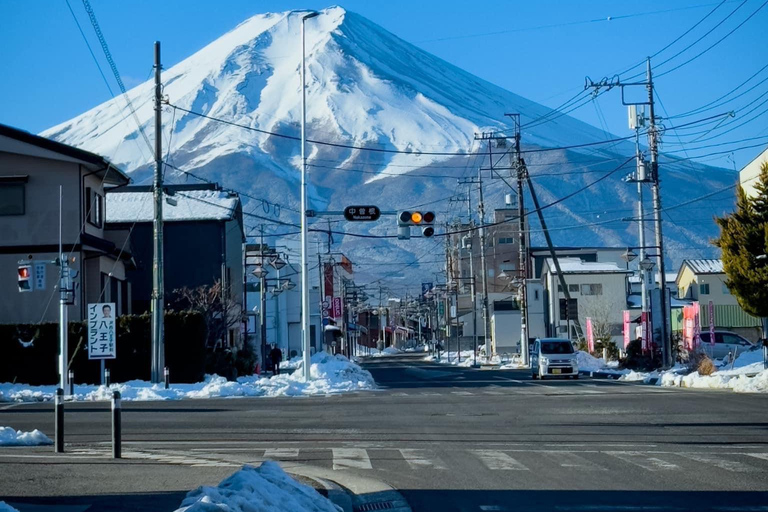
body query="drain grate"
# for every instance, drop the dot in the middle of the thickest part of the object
(379, 505)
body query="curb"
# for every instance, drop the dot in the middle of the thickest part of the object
(600, 375)
(352, 493)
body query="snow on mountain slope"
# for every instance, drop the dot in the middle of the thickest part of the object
(368, 88)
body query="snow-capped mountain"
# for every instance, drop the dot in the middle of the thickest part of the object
(369, 89)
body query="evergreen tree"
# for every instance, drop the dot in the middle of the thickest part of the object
(744, 237)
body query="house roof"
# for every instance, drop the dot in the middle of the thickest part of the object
(112, 175)
(704, 266)
(577, 266)
(130, 205)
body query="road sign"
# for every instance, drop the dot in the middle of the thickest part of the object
(102, 336)
(362, 213)
(40, 275)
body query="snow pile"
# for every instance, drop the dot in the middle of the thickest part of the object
(747, 375)
(391, 351)
(266, 488)
(329, 374)
(451, 358)
(4, 507)
(11, 437)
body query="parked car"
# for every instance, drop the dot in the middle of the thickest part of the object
(725, 342)
(553, 357)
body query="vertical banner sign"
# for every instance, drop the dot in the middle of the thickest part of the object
(711, 323)
(328, 279)
(337, 309)
(696, 325)
(688, 327)
(645, 335)
(626, 329)
(102, 340)
(590, 336)
(425, 287)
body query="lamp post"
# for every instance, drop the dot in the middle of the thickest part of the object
(304, 266)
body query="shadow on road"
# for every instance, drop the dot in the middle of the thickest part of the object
(154, 501)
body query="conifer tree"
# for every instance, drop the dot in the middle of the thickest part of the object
(744, 237)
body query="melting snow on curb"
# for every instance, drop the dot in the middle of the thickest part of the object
(11, 437)
(330, 374)
(266, 488)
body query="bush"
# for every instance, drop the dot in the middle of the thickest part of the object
(706, 366)
(611, 348)
(636, 359)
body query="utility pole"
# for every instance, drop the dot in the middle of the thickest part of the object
(158, 341)
(653, 144)
(666, 345)
(63, 303)
(522, 172)
(263, 303)
(489, 342)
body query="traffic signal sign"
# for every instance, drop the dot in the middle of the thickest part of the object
(25, 278)
(424, 220)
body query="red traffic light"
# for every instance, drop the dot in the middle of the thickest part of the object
(429, 217)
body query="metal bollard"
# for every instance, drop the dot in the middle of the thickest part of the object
(107, 377)
(167, 375)
(58, 445)
(71, 383)
(116, 426)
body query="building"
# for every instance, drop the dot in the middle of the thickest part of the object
(539, 255)
(748, 175)
(597, 290)
(202, 243)
(32, 172)
(704, 281)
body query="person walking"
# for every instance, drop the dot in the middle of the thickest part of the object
(276, 355)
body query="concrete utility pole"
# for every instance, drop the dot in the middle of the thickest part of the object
(158, 295)
(63, 303)
(653, 144)
(522, 172)
(489, 341)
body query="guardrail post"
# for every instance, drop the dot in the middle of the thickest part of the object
(58, 444)
(71, 383)
(107, 377)
(167, 376)
(116, 426)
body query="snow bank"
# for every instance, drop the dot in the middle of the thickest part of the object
(4, 507)
(266, 488)
(10, 437)
(329, 374)
(747, 375)
(391, 350)
(451, 358)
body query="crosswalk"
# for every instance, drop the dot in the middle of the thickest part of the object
(543, 461)
(537, 390)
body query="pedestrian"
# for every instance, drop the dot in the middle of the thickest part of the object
(276, 355)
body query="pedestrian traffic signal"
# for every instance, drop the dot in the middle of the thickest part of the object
(25, 278)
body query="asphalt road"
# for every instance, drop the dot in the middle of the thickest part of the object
(450, 439)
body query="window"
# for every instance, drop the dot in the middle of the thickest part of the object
(726, 291)
(12, 199)
(94, 207)
(503, 241)
(592, 289)
(573, 288)
(704, 289)
(535, 294)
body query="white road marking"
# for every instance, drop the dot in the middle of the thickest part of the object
(571, 460)
(497, 460)
(498, 508)
(351, 458)
(418, 459)
(728, 465)
(280, 453)
(644, 461)
(763, 456)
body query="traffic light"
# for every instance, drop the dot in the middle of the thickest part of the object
(25, 278)
(424, 220)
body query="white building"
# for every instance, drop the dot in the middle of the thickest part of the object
(597, 290)
(748, 175)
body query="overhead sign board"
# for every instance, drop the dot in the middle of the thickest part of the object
(362, 213)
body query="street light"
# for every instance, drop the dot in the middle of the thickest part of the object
(259, 272)
(304, 264)
(646, 264)
(629, 255)
(289, 285)
(277, 262)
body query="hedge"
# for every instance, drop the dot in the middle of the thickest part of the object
(37, 363)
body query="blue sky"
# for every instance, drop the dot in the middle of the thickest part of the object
(540, 49)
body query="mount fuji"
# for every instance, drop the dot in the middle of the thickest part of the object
(397, 127)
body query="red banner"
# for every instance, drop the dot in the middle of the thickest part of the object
(337, 308)
(328, 280)
(590, 336)
(627, 327)
(646, 338)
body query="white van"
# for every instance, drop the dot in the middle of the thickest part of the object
(553, 357)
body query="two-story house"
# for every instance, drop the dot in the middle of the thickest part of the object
(202, 242)
(34, 171)
(596, 289)
(704, 281)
